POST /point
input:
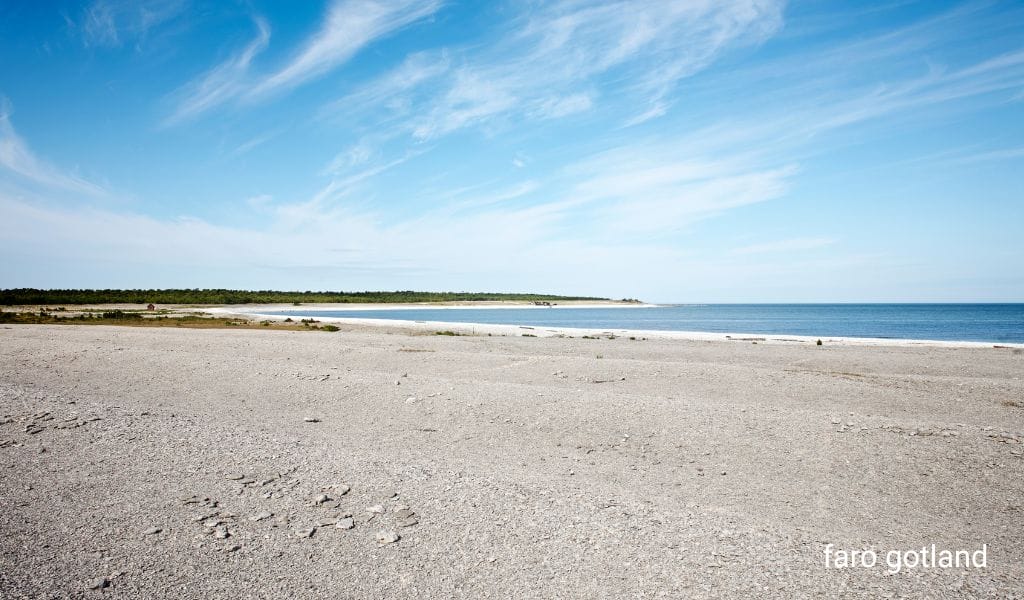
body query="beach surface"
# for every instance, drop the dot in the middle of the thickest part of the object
(386, 463)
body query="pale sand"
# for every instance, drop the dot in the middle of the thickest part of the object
(537, 467)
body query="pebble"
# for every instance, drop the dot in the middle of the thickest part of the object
(261, 516)
(341, 488)
(234, 548)
(311, 420)
(375, 509)
(326, 522)
(408, 522)
(234, 477)
(387, 537)
(99, 583)
(346, 523)
(152, 531)
(320, 499)
(403, 513)
(306, 532)
(221, 533)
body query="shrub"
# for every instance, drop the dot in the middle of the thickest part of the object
(330, 328)
(120, 314)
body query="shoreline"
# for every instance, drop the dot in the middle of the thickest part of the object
(546, 331)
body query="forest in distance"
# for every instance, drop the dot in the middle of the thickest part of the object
(24, 296)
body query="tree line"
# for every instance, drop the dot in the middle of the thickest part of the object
(10, 297)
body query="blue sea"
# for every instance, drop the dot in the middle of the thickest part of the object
(944, 322)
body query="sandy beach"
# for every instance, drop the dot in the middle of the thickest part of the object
(384, 463)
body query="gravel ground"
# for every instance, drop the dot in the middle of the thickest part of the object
(181, 463)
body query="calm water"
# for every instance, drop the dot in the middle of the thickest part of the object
(949, 322)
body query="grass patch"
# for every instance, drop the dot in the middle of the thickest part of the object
(127, 319)
(446, 332)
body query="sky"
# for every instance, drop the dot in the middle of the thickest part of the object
(693, 151)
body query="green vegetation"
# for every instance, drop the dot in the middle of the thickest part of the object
(446, 332)
(23, 296)
(135, 319)
(120, 314)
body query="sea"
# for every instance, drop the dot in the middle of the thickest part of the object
(941, 322)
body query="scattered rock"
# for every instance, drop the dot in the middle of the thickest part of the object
(261, 516)
(320, 499)
(341, 489)
(327, 522)
(311, 420)
(376, 509)
(234, 477)
(99, 583)
(152, 531)
(346, 523)
(408, 522)
(306, 532)
(233, 548)
(403, 513)
(221, 533)
(387, 537)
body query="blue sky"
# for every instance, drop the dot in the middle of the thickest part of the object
(698, 151)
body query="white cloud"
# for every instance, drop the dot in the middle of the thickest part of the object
(109, 22)
(554, 108)
(790, 245)
(223, 82)
(349, 26)
(354, 156)
(17, 157)
(558, 60)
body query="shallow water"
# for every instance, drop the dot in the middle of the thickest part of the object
(945, 322)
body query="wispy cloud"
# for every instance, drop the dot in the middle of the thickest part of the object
(348, 27)
(18, 158)
(223, 82)
(110, 23)
(790, 245)
(990, 156)
(564, 58)
(253, 142)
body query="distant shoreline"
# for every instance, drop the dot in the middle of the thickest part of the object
(461, 328)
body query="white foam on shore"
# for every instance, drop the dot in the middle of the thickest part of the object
(546, 331)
